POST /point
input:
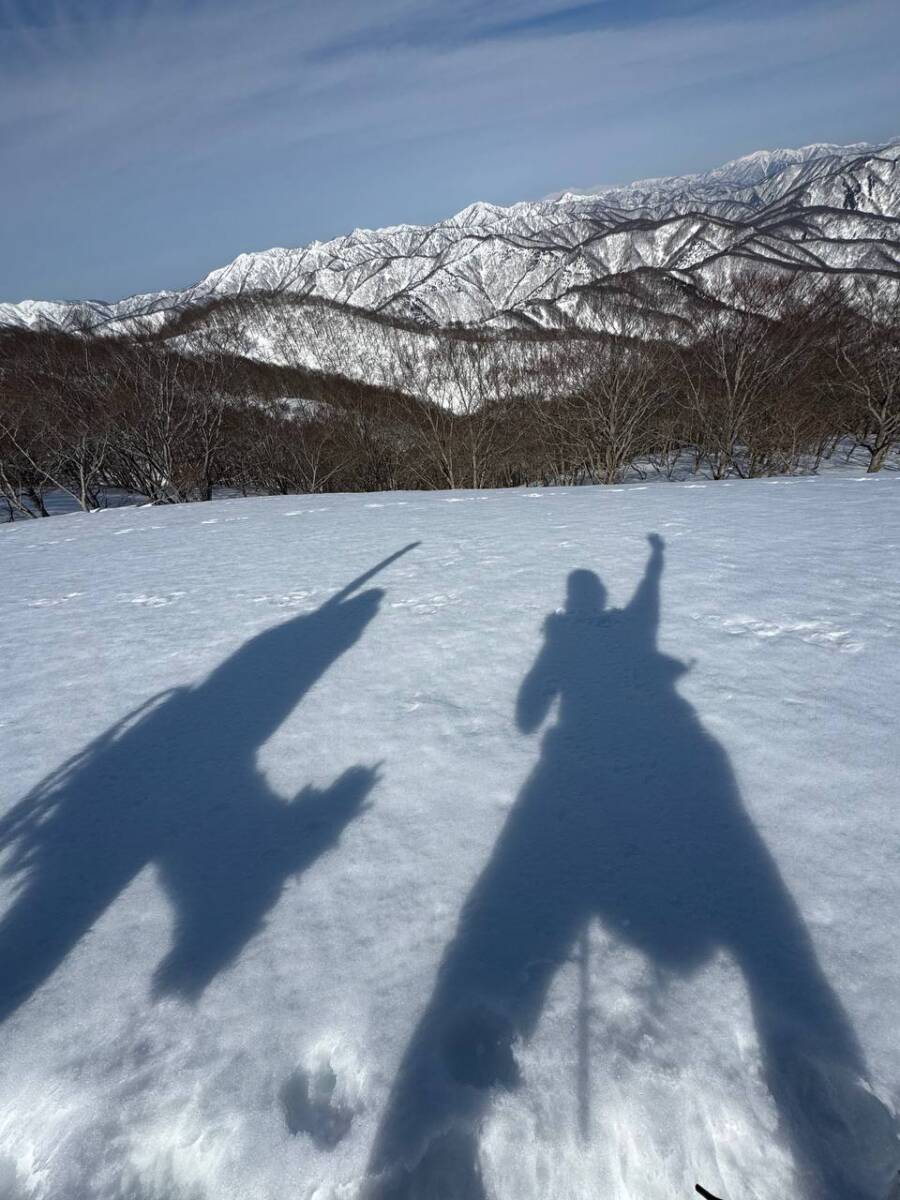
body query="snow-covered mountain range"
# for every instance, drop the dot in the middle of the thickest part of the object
(820, 209)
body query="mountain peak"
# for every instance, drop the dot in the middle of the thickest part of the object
(745, 171)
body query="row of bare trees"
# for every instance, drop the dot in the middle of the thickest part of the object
(771, 382)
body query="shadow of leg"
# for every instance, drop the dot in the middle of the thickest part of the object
(448, 1170)
(844, 1139)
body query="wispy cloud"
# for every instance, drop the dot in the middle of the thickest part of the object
(144, 141)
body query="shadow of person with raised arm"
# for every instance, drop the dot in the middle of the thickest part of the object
(632, 816)
(177, 784)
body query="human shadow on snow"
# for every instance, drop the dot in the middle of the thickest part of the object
(177, 785)
(632, 816)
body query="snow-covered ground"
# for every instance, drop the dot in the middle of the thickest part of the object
(451, 881)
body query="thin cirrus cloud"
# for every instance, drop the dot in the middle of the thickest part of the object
(145, 142)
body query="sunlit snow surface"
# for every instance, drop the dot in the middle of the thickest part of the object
(220, 964)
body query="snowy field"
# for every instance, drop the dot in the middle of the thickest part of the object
(553, 861)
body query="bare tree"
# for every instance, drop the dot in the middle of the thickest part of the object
(866, 365)
(735, 374)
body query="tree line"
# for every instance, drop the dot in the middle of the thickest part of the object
(771, 377)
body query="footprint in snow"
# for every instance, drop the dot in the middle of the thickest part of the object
(311, 1107)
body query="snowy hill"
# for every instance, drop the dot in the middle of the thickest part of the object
(460, 845)
(822, 209)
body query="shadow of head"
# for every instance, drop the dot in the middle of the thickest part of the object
(585, 593)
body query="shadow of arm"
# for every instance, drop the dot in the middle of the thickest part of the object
(643, 610)
(538, 691)
(318, 818)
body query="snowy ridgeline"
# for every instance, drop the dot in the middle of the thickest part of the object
(822, 208)
(551, 861)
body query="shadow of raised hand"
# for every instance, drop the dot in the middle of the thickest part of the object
(223, 901)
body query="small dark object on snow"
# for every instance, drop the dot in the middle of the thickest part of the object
(704, 1192)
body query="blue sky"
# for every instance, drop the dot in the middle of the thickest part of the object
(145, 142)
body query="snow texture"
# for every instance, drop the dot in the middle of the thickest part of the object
(523, 845)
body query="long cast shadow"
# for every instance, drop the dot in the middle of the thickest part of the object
(631, 816)
(177, 784)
